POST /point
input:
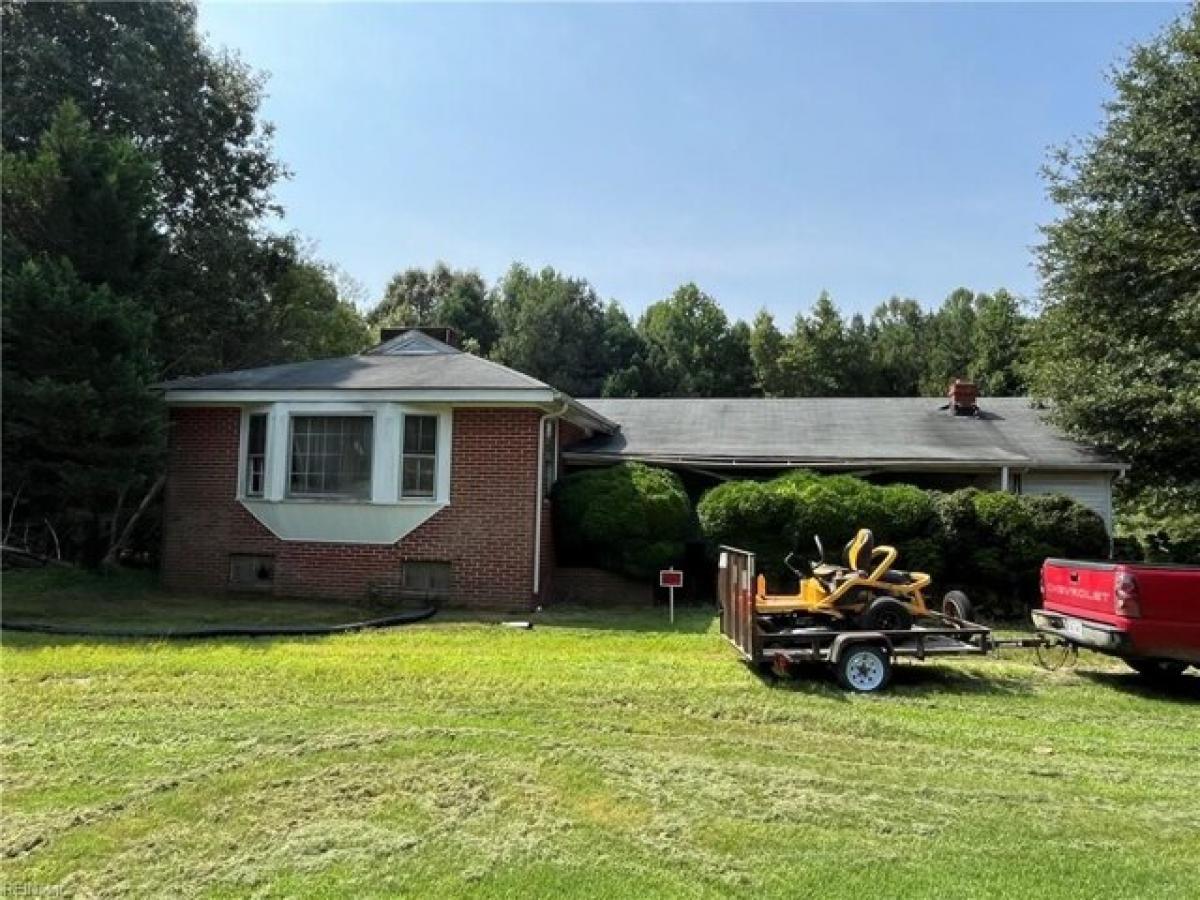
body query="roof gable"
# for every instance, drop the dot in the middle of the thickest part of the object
(411, 343)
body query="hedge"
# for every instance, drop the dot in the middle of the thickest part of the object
(990, 543)
(631, 518)
(776, 517)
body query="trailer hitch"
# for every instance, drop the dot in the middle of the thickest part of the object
(1052, 653)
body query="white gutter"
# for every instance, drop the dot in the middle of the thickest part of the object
(583, 415)
(980, 465)
(463, 396)
(539, 500)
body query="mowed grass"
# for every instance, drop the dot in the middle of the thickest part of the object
(132, 601)
(602, 754)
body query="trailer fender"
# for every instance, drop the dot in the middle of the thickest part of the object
(844, 642)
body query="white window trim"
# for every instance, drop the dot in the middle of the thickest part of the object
(386, 451)
(244, 446)
(437, 454)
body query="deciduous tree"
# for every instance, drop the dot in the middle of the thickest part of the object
(1117, 348)
(691, 350)
(551, 327)
(142, 71)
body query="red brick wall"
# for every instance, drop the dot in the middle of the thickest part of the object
(486, 532)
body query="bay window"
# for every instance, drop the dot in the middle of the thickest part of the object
(330, 456)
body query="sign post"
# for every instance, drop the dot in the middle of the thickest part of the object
(670, 579)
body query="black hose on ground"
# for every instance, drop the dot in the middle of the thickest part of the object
(238, 631)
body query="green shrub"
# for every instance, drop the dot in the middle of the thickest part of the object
(994, 543)
(629, 518)
(990, 543)
(1070, 528)
(777, 517)
(751, 515)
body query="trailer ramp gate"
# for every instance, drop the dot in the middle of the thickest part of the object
(735, 591)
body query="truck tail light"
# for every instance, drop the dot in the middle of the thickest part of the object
(1128, 601)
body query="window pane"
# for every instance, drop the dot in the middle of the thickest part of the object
(257, 436)
(418, 465)
(420, 434)
(417, 476)
(331, 456)
(256, 454)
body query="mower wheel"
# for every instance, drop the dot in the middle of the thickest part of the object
(887, 614)
(864, 669)
(956, 605)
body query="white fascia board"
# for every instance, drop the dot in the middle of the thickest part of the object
(499, 396)
(803, 463)
(545, 398)
(587, 418)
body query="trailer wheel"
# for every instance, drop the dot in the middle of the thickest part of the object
(864, 669)
(887, 614)
(956, 605)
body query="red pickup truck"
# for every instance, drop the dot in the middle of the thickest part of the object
(1149, 615)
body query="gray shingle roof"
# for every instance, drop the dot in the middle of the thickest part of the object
(832, 431)
(391, 366)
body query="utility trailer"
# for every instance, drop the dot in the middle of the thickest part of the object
(862, 660)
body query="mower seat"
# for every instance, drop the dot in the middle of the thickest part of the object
(866, 542)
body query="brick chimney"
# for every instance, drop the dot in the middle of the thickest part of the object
(964, 397)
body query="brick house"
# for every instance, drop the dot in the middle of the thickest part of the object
(418, 469)
(414, 468)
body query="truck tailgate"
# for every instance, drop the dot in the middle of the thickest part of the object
(1083, 589)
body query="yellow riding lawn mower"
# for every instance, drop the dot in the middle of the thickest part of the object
(865, 593)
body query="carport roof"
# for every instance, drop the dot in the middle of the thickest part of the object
(835, 432)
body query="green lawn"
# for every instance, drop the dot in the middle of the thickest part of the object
(601, 754)
(132, 601)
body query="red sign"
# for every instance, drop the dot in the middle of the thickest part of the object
(670, 578)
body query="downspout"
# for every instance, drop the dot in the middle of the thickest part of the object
(1119, 475)
(539, 500)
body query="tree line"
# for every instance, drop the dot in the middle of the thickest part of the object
(138, 182)
(555, 327)
(137, 176)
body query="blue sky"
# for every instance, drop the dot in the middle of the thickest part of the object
(764, 152)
